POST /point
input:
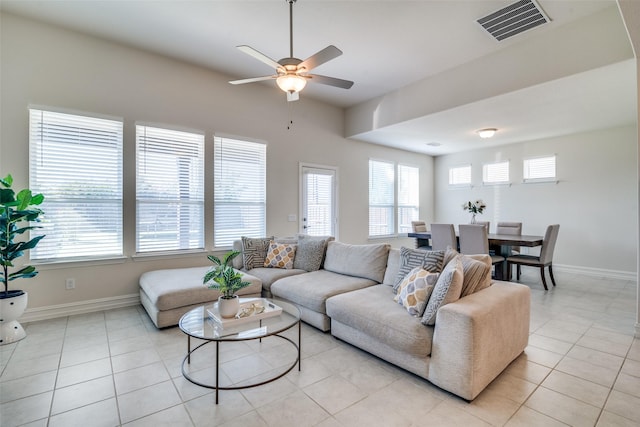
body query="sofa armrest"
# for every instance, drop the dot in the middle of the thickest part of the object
(476, 337)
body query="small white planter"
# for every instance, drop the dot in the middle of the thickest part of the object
(10, 311)
(228, 307)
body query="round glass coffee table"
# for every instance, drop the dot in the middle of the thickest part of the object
(199, 324)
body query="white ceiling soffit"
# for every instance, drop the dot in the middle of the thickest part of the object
(514, 19)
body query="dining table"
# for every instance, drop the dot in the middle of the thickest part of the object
(501, 243)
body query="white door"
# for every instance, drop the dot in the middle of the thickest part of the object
(318, 210)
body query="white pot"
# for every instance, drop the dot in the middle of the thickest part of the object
(228, 307)
(10, 311)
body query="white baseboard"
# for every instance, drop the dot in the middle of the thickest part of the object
(596, 272)
(81, 307)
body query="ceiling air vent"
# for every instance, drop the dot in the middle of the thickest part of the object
(514, 19)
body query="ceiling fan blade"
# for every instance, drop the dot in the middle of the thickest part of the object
(251, 80)
(319, 58)
(331, 81)
(259, 56)
(293, 96)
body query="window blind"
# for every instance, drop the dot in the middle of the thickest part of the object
(539, 168)
(495, 173)
(381, 198)
(239, 190)
(76, 162)
(408, 197)
(460, 175)
(169, 190)
(319, 204)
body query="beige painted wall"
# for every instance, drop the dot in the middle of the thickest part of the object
(595, 201)
(48, 66)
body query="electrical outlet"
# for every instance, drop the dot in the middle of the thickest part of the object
(70, 283)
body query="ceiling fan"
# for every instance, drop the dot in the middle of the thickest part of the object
(292, 73)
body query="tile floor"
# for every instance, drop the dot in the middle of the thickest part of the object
(112, 368)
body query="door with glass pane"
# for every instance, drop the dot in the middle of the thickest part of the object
(318, 211)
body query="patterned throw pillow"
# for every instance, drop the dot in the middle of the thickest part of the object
(447, 290)
(280, 255)
(254, 251)
(310, 252)
(412, 258)
(415, 290)
(475, 273)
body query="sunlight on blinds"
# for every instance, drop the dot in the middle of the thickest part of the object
(493, 173)
(539, 168)
(381, 198)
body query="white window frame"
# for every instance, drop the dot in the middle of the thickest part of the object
(486, 171)
(391, 201)
(526, 169)
(169, 190)
(76, 162)
(240, 189)
(407, 210)
(453, 174)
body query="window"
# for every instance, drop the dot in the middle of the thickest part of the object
(539, 169)
(240, 190)
(169, 190)
(76, 162)
(408, 197)
(495, 173)
(385, 211)
(460, 175)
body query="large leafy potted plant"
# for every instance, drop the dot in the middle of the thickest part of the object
(223, 277)
(17, 213)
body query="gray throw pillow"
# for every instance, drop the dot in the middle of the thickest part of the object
(254, 251)
(412, 258)
(447, 290)
(475, 274)
(310, 253)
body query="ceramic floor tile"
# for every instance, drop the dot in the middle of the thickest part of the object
(588, 371)
(83, 355)
(492, 408)
(28, 409)
(27, 386)
(527, 417)
(583, 390)
(99, 414)
(526, 370)
(628, 384)
(603, 345)
(251, 419)
(511, 387)
(596, 357)
(294, 410)
(446, 414)
(204, 412)
(75, 396)
(18, 368)
(176, 416)
(324, 393)
(563, 408)
(624, 404)
(542, 357)
(550, 344)
(134, 359)
(609, 419)
(83, 372)
(137, 378)
(632, 367)
(370, 377)
(312, 371)
(147, 401)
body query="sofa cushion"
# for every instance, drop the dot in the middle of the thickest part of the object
(373, 312)
(366, 261)
(447, 290)
(270, 275)
(393, 265)
(415, 290)
(254, 251)
(412, 258)
(280, 255)
(171, 288)
(312, 289)
(310, 253)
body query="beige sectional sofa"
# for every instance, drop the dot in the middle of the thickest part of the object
(473, 340)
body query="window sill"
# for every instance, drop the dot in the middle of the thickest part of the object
(78, 262)
(152, 256)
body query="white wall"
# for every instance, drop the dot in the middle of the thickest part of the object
(595, 201)
(44, 65)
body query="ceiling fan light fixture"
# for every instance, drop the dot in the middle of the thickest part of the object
(487, 133)
(291, 82)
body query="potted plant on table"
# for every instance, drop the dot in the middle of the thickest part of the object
(16, 212)
(228, 281)
(474, 208)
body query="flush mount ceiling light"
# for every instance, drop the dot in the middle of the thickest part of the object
(487, 133)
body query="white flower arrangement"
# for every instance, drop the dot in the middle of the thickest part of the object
(476, 207)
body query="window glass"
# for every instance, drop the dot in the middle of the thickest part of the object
(76, 162)
(460, 175)
(169, 190)
(539, 168)
(493, 173)
(381, 198)
(408, 197)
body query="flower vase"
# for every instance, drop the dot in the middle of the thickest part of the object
(228, 307)
(473, 218)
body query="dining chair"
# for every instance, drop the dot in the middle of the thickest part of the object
(514, 229)
(443, 236)
(486, 224)
(546, 255)
(474, 240)
(420, 227)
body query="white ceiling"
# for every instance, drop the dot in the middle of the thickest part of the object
(387, 45)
